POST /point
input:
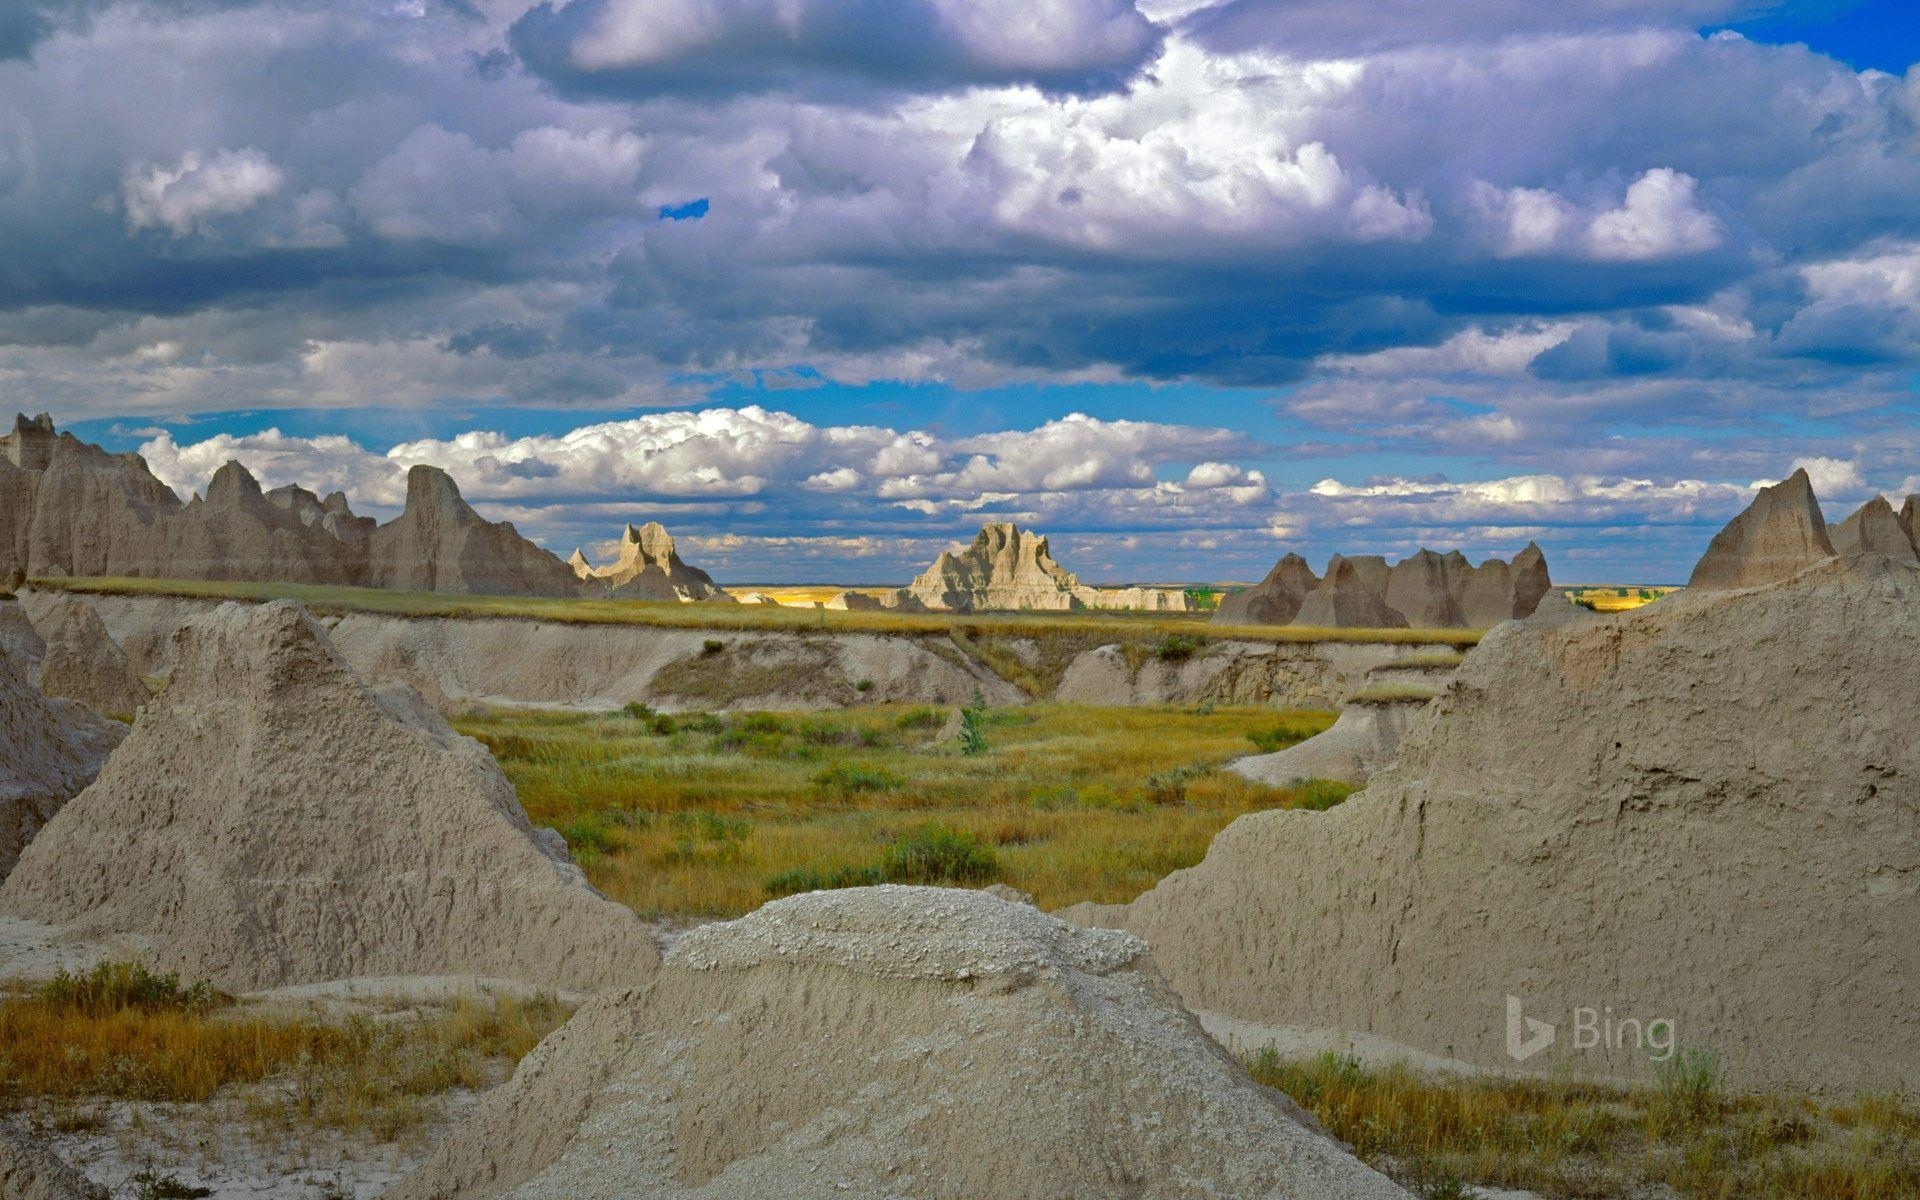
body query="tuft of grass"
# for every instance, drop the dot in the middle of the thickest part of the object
(1289, 732)
(849, 779)
(113, 987)
(936, 853)
(1179, 647)
(1393, 693)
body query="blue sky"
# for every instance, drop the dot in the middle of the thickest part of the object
(823, 284)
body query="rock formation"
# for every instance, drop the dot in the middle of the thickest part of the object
(439, 544)
(82, 662)
(1699, 811)
(650, 568)
(19, 640)
(71, 509)
(30, 1171)
(582, 569)
(273, 819)
(1363, 740)
(882, 1043)
(1779, 535)
(1910, 520)
(1275, 600)
(1426, 591)
(1874, 529)
(1006, 567)
(49, 750)
(1352, 595)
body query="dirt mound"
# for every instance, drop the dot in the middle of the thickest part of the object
(82, 662)
(890, 1042)
(439, 544)
(1363, 740)
(1874, 529)
(49, 750)
(1700, 811)
(1275, 600)
(650, 568)
(30, 1171)
(1779, 535)
(274, 820)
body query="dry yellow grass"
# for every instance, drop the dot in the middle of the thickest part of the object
(1616, 598)
(1572, 1141)
(758, 617)
(695, 816)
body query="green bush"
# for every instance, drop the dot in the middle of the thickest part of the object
(938, 854)
(1179, 647)
(712, 646)
(1318, 795)
(973, 727)
(1278, 738)
(863, 685)
(116, 986)
(1170, 786)
(851, 779)
(921, 718)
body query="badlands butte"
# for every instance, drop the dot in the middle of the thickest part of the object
(1699, 815)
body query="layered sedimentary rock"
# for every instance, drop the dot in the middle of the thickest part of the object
(82, 661)
(19, 640)
(1874, 529)
(273, 819)
(1699, 812)
(49, 750)
(71, 509)
(1011, 569)
(650, 568)
(932, 1043)
(1779, 535)
(1352, 595)
(439, 544)
(1422, 588)
(1275, 600)
(1910, 520)
(1363, 740)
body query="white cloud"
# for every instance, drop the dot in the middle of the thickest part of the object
(184, 197)
(1659, 217)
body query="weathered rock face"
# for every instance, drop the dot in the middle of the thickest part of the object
(933, 1043)
(1005, 568)
(1421, 588)
(49, 750)
(274, 820)
(1361, 741)
(1352, 595)
(650, 568)
(439, 544)
(30, 1171)
(1779, 535)
(236, 532)
(1874, 529)
(86, 513)
(19, 640)
(1275, 600)
(1910, 520)
(1700, 811)
(82, 662)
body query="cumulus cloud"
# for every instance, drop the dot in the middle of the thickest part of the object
(649, 47)
(184, 197)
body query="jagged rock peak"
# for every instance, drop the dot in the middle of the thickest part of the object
(1779, 535)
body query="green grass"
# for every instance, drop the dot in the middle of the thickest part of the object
(705, 815)
(1566, 1140)
(1149, 628)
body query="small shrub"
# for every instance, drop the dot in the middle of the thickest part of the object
(1689, 1086)
(973, 727)
(711, 647)
(1170, 786)
(700, 722)
(921, 718)
(863, 685)
(850, 779)
(118, 986)
(638, 711)
(1318, 795)
(1179, 647)
(939, 854)
(148, 1186)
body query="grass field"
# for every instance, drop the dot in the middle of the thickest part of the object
(690, 816)
(751, 617)
(1617, 598)
(1684, 1137)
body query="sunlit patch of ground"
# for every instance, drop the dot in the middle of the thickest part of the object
(1617, 597)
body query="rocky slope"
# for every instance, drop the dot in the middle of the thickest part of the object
(439, 544)
(49, 751)
(1700, 811)
(1779, 535)
(883, 1043)
(275, 820)
(1875, 529)
(82, 662)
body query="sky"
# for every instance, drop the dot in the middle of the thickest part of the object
(825, 284)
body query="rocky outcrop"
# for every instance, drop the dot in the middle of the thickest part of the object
(650, 568)
(1006, 567)
(1363, 740)
(1275, 600)
(933, 1043)
(82, 662)
(1910, 520)
(274, 820)
(49, 750)
(439, 544)
(71, 509)
(1779, 535)
(19, 640)
(1874, 529)
(1699, 811)
(1426, 591)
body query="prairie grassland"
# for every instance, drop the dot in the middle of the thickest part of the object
(1110, 625)
(1616, 598)
(123, 1034)
(700, 815)
(1575, 1141)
